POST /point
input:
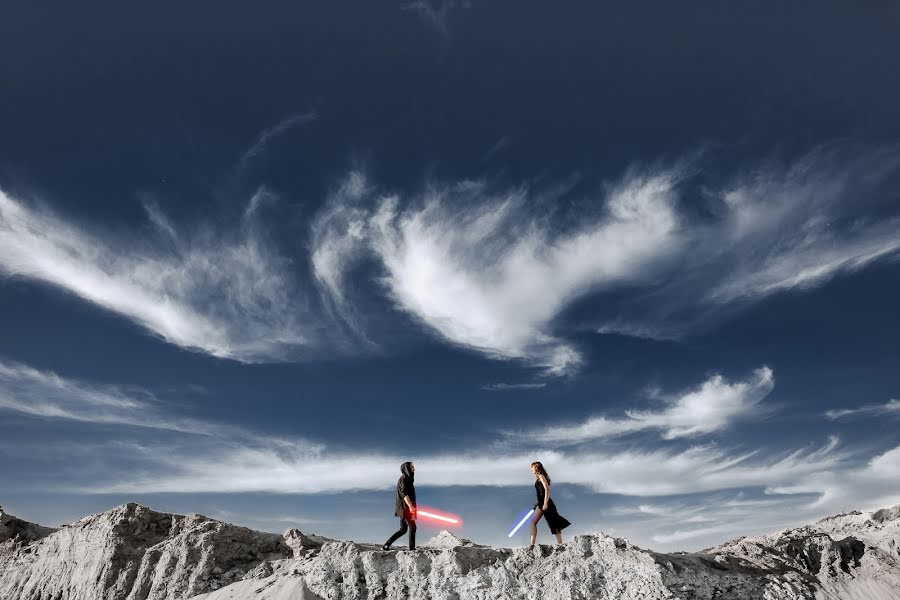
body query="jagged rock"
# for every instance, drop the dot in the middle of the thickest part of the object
(886, 514)
(132, 553)
(19, 531)
(445, 539)
(302, 544)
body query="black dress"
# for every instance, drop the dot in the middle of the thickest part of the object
(555, 521)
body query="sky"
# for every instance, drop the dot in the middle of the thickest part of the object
(253, 258)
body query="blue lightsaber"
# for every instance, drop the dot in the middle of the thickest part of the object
(522, 522)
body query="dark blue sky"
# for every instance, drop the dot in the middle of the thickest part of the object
(253, 258)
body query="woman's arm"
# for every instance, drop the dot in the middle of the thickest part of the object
(546, 491)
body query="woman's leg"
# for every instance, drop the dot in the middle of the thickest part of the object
(559, 537)
(538, 513)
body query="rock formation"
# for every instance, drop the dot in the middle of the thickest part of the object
(134, 553)
(20, 531)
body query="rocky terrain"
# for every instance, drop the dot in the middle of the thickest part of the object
(23, 531)
(134, 553)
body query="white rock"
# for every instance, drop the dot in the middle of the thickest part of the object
(133, 553)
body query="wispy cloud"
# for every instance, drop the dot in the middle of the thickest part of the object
(713, 516)
(500, 387)
(212, 457)
(45, 394)
(661, 472)
(495, 270)
(224, 293)
(202, 456)
(265, 137)
(712, 406)
(781, 487)
(800, 227)
(434, 14)
(481, 271)
(496, 149)
(892, 406)
(773, 229)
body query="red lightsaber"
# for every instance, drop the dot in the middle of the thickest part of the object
(441, 516)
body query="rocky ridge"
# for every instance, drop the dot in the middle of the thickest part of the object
(134, 553)
(20, 531)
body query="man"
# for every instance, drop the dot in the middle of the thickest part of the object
(405, 506)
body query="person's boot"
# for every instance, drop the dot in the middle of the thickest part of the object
(392, 539)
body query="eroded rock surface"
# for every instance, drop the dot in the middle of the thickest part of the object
(19, 531)
(135, 553)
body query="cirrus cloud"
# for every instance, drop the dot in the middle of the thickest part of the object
(480, 271)
(224, 293)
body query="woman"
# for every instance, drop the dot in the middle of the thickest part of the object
(545, 507)
(405, 506)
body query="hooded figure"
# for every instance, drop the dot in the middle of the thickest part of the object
(405, 506)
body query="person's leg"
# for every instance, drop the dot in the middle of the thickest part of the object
(397, 535)
(554, 522)
(412, 534)
(534, 520)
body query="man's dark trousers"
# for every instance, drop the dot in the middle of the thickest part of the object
(407, 523)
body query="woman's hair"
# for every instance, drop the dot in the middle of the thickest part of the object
(406, 469)
(541, 470)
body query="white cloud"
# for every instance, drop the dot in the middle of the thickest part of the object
(892, 406)
(500, 387)
(667, 498)
(481, 272)
(266, 136)
(712, 406)
(712, 517)
(886, 465)
(206, 456)
(237, 468)
(228, 295)
(798, 227)
(773, 230)
(434, 15)
(798, 486)
(198, 456)
(495, 271)
(45, 394)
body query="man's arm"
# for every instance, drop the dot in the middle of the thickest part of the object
(405, 495)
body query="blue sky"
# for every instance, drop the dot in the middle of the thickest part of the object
(253, 259)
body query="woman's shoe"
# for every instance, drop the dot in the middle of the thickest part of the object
(385, 547)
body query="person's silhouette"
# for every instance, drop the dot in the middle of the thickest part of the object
(405, 506)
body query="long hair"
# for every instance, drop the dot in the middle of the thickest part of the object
(406, 469)
(541, 470)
